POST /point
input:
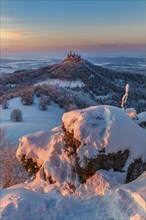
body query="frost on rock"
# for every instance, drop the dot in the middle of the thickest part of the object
(99, 137)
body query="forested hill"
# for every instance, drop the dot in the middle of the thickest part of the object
(94, 81)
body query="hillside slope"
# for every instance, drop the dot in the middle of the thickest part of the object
(99, 84)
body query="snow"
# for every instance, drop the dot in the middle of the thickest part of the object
(60, 203)
(141, 117)
(138, 186)
(105, 127)
(101, 64)
(95, 186)
(103, 196)
(138, 118)
(95, 127)
(102, 97)
(33, 119)
(39, 145)
(131, 112)
(62, 83)
(49, 153)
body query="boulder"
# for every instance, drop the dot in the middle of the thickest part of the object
(99, 137)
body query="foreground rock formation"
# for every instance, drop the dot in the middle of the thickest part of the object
(99, 137)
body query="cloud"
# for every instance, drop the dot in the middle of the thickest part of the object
(115, 47)
(11, 20)
(11, 35)
(8, 19)
(25, 40)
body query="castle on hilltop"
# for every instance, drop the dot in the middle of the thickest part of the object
(72, 57)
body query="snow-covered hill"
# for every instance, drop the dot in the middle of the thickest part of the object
(90, 80)
(33, 119)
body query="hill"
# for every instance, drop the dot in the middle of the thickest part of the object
(33, 119)
(100, 85)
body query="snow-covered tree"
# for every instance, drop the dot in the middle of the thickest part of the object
(37, 90)
(16, 115)
(44, 101)
(125, 96)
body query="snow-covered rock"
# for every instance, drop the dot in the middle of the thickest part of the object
(131, 112)
(141, 119)
(105, 127)
(99, 137)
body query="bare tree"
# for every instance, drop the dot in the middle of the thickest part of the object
(44, 101)
(11, 172)
(5, 104)
(27, 98)
(125, 96)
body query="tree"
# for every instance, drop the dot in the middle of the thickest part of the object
(37, 91)
(27, 98)
(125, 96)
(11, 172)
(5, 104)
(44, 101)
(16, 115)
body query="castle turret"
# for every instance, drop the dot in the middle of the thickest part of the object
(72, 57)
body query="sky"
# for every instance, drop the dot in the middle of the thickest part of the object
(89, 26)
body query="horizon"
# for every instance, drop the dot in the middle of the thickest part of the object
(97, 28)
(62, 55)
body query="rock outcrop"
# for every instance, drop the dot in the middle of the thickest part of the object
(136, 168)
(100, 137)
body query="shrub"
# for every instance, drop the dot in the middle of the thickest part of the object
(27, 98)
(5, 104)
(44, 101)
(11, 172)
(37, 91)
(16, 115)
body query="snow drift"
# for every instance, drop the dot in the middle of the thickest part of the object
(38, 201)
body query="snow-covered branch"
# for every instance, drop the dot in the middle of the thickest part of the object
(125, 96)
